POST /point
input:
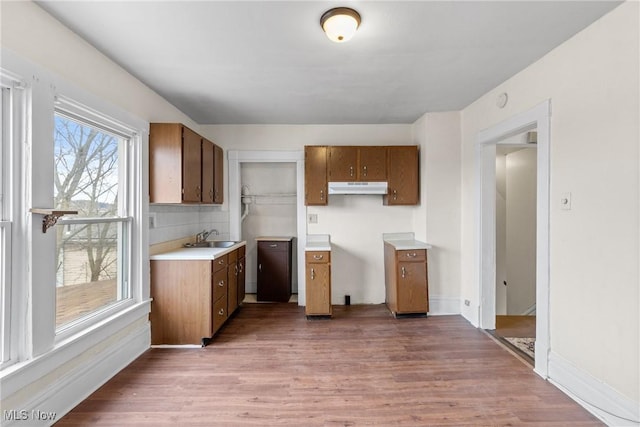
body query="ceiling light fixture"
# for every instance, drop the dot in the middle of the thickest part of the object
(340, 23)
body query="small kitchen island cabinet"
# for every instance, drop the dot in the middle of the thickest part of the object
(406, 281)
(275, 266)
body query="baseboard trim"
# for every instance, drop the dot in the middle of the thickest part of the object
(66, 393)
(600, 399)
(441, 306)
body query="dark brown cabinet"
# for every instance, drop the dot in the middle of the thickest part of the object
(315, 175)
(183, 166)
(241, 275)
(348, 163)
(403, 176)
(406, 281)
(274, 269)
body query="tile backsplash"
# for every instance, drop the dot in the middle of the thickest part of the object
(171, 222)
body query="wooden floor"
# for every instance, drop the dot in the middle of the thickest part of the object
(516, 326)
(270, 366)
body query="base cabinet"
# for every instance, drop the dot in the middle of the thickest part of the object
(274, 270)
(193, 299)
(318, 283)
(406, 282)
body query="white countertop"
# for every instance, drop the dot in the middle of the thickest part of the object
(274, 238)
(318, 242)
(404, 241)
(195, 253)
(407, 245)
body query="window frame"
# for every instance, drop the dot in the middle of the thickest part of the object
(13, 111)
(127, 181)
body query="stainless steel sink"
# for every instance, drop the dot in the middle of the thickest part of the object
(211, 244)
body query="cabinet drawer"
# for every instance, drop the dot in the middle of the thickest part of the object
(220, 263)
(273, 246)
(219, 284)
(219, 313)
(317, 256)
(412, 255)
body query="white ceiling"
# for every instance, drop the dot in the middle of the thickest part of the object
(239, 62)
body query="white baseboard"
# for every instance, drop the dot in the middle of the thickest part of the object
(600, 399)
(66, 393)
(440, 306)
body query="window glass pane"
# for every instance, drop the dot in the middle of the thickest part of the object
(86, 169)
(91, 267)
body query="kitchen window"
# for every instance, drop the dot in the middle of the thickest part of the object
(91, 176)
(5, 230)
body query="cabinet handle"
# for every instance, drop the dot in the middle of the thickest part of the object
(260, 267)
(395, 194)
(273, 245)
(412, 255)
(313, 274)
(241, 267)
(364, 170)
(221, 262)
(318, 256)
(403, 272)
(322, 195)
(236, 270)
(221, 312)
(221, 283)
(351, 171)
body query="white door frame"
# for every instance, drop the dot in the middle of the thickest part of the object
(235, 159)
(538, 118)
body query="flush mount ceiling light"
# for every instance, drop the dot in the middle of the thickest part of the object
(340, 23)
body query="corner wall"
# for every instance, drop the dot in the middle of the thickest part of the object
(593, 83)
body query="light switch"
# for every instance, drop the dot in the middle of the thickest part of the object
(312, 218)
(565, 201)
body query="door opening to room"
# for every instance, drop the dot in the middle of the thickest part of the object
(516, 166)
(268, 224)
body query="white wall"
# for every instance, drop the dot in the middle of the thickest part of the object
(272, 211)
(356, 223)
(521, 230)
(592, 81)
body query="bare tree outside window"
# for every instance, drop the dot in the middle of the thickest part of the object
(86, 180)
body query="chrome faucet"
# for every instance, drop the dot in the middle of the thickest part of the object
(202, 236)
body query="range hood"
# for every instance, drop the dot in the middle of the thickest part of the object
(358, 188)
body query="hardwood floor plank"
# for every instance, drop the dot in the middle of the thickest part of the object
(271, 366)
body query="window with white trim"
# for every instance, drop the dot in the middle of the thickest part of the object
(5, 227)
(91, 176)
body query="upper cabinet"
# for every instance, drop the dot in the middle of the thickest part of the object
(397, 165)
(348, 163)
(315, 175)
(404, 177)
(183, 166)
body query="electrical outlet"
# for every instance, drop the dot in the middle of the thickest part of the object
(312, 218)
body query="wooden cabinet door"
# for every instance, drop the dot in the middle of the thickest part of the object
(315, 175)
(191, 166)
(241, 280)
(207, 171)
(218, 181)
(403, 176)
(372, 163)
(412, 287)
(274, 271)
(318, 289)
(343, 163)
(232, 274)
